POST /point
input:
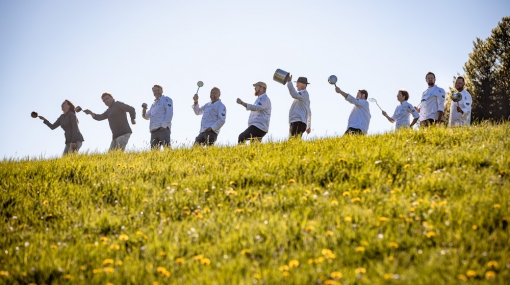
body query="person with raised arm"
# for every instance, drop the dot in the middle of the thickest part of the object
(260, 115)
(359, 119)
(214, 114)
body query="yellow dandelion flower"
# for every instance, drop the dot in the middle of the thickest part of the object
(336, 275)
(346, 193)
(293, 263)
(123, 237)
(284, 268)
(366, 190)
(238, 210)
(462, 277)
(153, 171)
(393, 244)
(354, 200)
(326, 251)
(329, 233)
(431, 234)
(489, 275)
(162, 253)
(231, 192)
(4, 273)
(347, 219)
(245, 251)
(388, 275)
(285, 273)
(496, 206)
(383, 219)
(334, 203)
(179, 260)
(341, 159)
(45, 202)
(155, 283)
(256, 276)
(109, 269)
(411, 209)
(68, 276)
(103, 239)
(407, 166)
(320, 259)
(97, 270)
(359, 249)
(206, 210)
(107, 261)
(205, 261)
(474, 227)
(198, 257)
(53, 246)
(360, 270)
(115, 247)
(311, 261)
(139, 233)
(220, 205)
(119, 262)
(331, 282)
(292, 181)
(471, 273)
(304, 198)
(492, 264)
(309, 228)
(82, 267)
(145, 200)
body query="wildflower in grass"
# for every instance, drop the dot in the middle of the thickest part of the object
(45, 202)
(163, 271)
(331, 282)
(107, 261)
(206, 210)
(206, 190)
(309, 228)
(284, 268)
(492, 264)
(292, 181)
(4, 273)
(109, 269)
(347, 219)
(346, 193)
(407, 166)
(115, 247)
(474, 227)
(245, 251)
(462, 277)
(293, 263)
(119, 262)
(257, 276)
(231, 193)
(341, 159)
(123, 237)
(496, 206)
(366, 191)
(97, 270)
(393, 245)
(304, 198)
(334, 203)
(388, 276)
(153, 171)
(354, 200)
(328, 253)
(68, 276)
(53, 246)
(198, 257)
(162, 253)
(103, 239)
(179, 260)
(360, 270)
(145, 200)
(490, 275)
(431, 234)
(471, 273)
(238, 210)
(220, 205)
(329, 233)
(205, 261)
(285, 273)
(383, 219)
(359, 249)
(336, 275)
(139, 233)
(82, 267)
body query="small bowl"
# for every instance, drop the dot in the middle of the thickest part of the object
(34, 114)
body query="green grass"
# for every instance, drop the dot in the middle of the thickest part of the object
(413, 207)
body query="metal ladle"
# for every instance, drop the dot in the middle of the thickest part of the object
(199, 84)
(332, 80)
(375, 101)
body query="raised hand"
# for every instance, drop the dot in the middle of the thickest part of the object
(195, 98)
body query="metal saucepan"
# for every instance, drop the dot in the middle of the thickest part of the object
(281, 76)
(332, 80)
(34, 114)
(456, 97)
(199, 84)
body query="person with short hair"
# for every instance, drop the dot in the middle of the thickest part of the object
(359, 119)
(69, 124)
(213, 114)
(460, 112)
(258, 123)
(432, 102)
(401, 115)
(300, 115)
(160, 115)
(117, 119)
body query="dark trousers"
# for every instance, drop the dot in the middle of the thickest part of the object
(427, 123)
(160, 137)
(353, 131)
(207, 137)
(251, 133)
(297, 129)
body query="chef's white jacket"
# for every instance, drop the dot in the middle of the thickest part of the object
(465, 104)
(432, 101)
(401, 115)
(360, 114)
(260, 113)
(213, 115)
(160, 113)
(300, 109)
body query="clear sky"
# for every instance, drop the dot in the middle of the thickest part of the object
(56, 50)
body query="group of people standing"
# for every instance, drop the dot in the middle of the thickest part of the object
(160, 114)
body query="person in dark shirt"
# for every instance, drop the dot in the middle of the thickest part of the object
(117, 118)
(69, 123)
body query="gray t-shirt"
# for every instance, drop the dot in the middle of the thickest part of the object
(69, 123)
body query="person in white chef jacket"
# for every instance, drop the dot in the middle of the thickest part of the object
(359, 119)
(460, 112)
(432, 103)
(260, 115)
(213, 114)
(300, 115)
(401, 115)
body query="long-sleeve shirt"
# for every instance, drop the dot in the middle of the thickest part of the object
(300, 110)
(117, 118)
(401, 115)
(213, 114)
(160, 113)
(69, 123)
(432, 101)
(465, 104)
(360, 114)
(260, 113)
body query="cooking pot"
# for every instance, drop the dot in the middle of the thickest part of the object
(281, 76)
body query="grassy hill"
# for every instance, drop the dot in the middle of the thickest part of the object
(413, 207)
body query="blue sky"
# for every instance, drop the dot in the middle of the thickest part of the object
(76, 50)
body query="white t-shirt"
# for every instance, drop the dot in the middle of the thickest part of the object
(213, 115)
(260, 113)
(401, 115)
(432, 101)
(300, 109)
(360, 114)
(465, 104)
